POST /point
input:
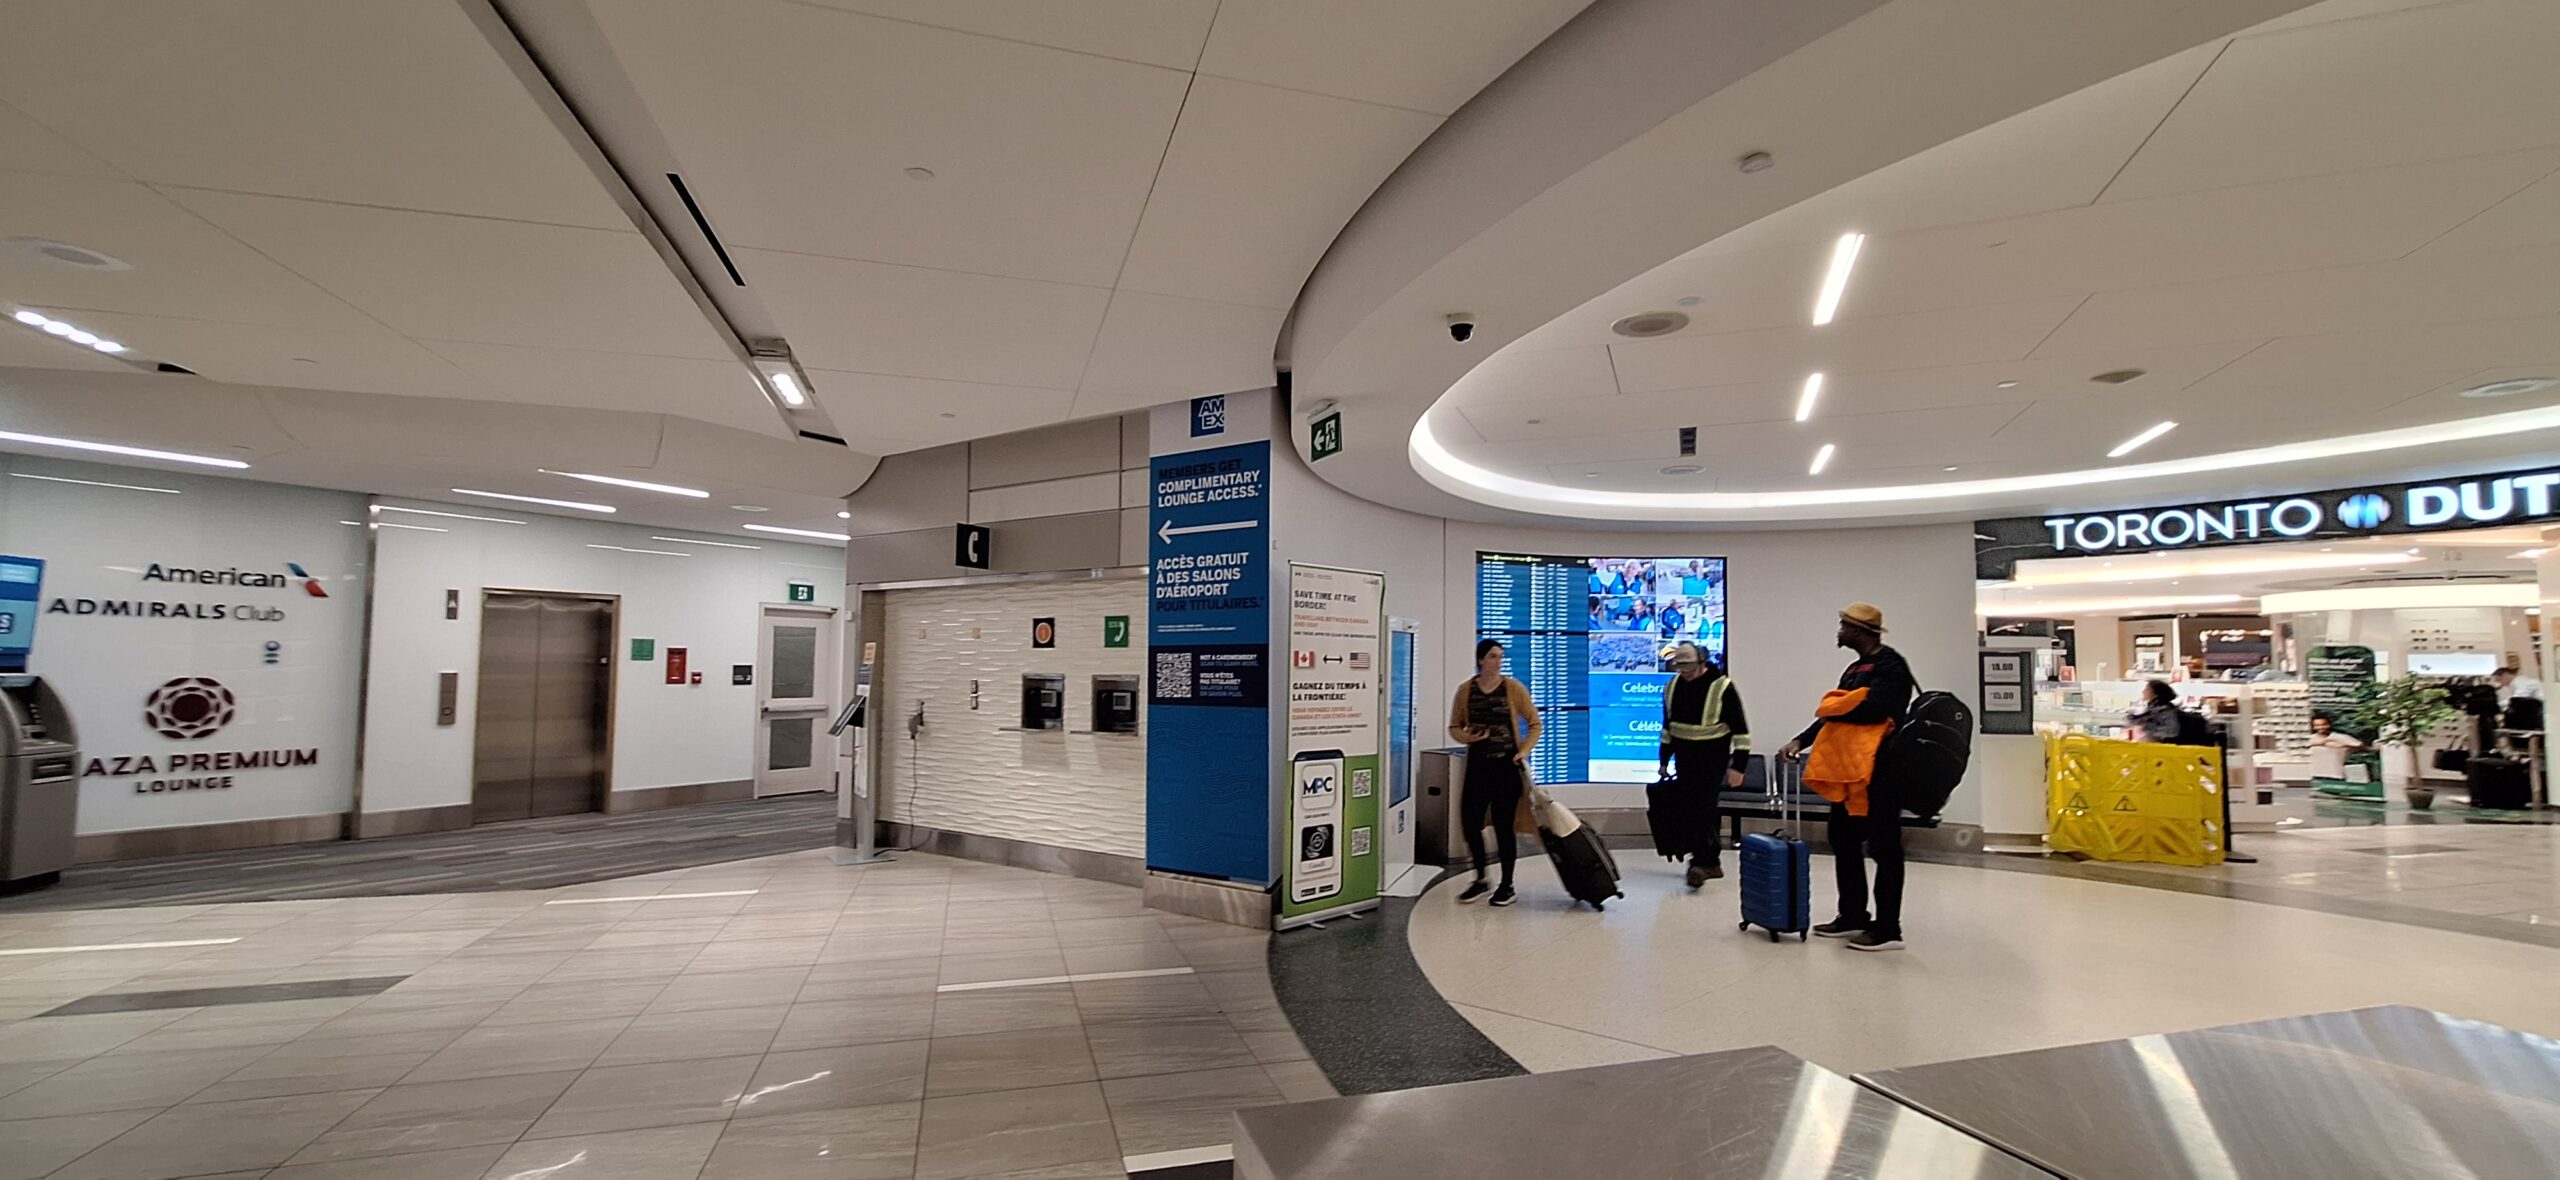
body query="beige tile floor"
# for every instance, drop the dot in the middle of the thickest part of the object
(1997, 962)
(788, 1025)
(2504, 871)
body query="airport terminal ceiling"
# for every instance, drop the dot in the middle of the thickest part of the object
(2270, 246)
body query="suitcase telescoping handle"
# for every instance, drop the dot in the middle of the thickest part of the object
(1786, 781)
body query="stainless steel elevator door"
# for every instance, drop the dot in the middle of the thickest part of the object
(539, 746)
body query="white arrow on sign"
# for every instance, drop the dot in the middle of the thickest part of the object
(1166, 532)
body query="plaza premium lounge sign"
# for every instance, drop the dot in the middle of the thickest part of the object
(2382, 510)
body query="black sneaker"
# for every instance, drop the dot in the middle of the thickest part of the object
(1869, 940)
(1697, 875)
(1840, 928)
(1504, 896)
(1715, 870)
(1473, 892)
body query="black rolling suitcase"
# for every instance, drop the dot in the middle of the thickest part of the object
(2503, 784)
(1589, 873)
(1667, 812)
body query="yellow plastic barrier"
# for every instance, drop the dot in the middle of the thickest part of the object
(2112, 800)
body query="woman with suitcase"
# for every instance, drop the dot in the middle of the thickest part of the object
(1494, 717)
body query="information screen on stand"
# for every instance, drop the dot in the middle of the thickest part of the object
(1586, 634)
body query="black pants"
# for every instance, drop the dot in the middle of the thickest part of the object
(1491, 794)
(1855, 839)
(1699, 768)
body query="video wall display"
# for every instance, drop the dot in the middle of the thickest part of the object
(1586, 634)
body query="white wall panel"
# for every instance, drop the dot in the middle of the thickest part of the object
(100, 545)
(973, 771)
(664, 735)
(1099, 492)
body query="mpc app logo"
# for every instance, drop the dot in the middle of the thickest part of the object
(189, 707)
(2364, 511)
(1208, 415)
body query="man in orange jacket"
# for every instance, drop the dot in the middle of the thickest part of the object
(1867, 824)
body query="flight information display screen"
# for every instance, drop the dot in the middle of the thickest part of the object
(1586, 634)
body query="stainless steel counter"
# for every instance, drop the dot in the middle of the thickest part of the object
(2377, 1092)
(1746, 1112)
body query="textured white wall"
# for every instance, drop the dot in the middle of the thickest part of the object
(970, 771)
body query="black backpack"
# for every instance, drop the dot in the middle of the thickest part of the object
(1926, 756)
(2193, 729)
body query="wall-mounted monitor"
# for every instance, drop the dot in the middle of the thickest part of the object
(1587, 635)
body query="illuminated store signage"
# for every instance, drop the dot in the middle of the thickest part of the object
(2383, 510)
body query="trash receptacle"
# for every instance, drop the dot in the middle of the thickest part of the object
(1438, 838)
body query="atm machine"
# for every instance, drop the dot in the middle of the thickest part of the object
(39, 749)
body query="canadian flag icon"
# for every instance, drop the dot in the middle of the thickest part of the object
(1302, 659)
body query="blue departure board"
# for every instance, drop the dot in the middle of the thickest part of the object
(1586, 634)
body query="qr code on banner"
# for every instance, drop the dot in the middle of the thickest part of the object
(1359, 841)
(1364, 783)
(1173, 676)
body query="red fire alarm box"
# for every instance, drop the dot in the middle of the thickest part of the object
(675, 665)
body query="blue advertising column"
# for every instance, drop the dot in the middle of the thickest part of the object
(1209, 641)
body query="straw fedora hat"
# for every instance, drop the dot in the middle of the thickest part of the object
(1864, 614)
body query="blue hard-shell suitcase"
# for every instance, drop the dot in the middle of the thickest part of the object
(1777, 870)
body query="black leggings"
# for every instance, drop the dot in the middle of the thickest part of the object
(1491, 795)
(1855, 839)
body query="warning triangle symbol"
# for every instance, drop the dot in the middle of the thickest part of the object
(2079, 802)
(2125, 804)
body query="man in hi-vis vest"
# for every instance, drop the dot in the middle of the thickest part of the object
(1707, 740)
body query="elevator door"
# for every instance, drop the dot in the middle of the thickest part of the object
(545, 695)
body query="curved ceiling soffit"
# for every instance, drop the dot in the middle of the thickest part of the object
(1548, 190)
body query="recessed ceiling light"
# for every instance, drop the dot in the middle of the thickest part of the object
(1949, 469)
(2135, 443)
(446, 515)
(619, 482)
(949, 414)
(1682, 469)
(304, 360)
(772, 361)
(1647, 324)
(70, 255)
(2511, 388)
(1812, 392)
(67, 331)
(2006, 385)
(415, 528)
(2116, 376)
(129, 487)
(2414, 551)
(81, 444)
(1822, 459)
(580, 505)
(651, 552)
(1755, 161)
(766, 528)
(844, 516)
(1537, 421)
(919, 173)
(749, 508)
(2529, 554)
(1688, 301)
(1590, 475)
(700, 541)
(1835, 282)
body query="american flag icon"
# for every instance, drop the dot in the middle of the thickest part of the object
(1359, 661)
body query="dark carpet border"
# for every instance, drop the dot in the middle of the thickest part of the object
(1366, 1013)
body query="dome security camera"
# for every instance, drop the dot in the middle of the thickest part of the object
(1461, 326)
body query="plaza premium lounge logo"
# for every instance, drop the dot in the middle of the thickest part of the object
(185, 709)
(189, 707)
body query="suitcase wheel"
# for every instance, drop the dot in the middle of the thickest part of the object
(1744, 924)
(1599, 907)
(1773, 936)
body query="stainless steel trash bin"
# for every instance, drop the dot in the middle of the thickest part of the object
(1437, 777)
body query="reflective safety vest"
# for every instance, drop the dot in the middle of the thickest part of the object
(1708, 725)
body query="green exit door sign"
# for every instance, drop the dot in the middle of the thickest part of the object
(803, 592)
(1115, 630)
(1325, 437)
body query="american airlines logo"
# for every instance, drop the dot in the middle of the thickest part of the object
(235, 576)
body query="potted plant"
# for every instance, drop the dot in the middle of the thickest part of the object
(2399, 713)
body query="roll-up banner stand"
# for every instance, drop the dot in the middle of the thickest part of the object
(1336, 736)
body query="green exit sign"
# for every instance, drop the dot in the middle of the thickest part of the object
(1325, 437)
(803, 592)
(1115, 630)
